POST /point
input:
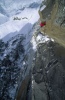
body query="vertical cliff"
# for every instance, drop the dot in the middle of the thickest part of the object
(48, 81)
(54, 15)
(48, 76)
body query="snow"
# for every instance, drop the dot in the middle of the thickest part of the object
(42, 39)
(3, 18)
(12, 6)
(34, 44)
(39, 37)
(13, 27)
(24, 63)
(42, 7)
(52, 39)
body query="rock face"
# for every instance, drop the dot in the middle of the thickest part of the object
(48, 71)
(53, 13)
(15, 68)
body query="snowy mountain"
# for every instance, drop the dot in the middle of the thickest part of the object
(11, 7)
(26, 12)
(32, 66)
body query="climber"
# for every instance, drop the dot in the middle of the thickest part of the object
(42, 24)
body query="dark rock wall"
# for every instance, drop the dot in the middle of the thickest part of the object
(49, 72)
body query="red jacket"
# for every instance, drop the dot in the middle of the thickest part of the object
(42, 24)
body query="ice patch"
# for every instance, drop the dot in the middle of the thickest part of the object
(24, 63)
(42, 39)
(39, 37)
(52, 39)
(34, 44)
(42, 8)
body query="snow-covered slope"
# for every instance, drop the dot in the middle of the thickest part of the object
(27, 18)
(12, 6)
(16, 16)
(3, 18)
